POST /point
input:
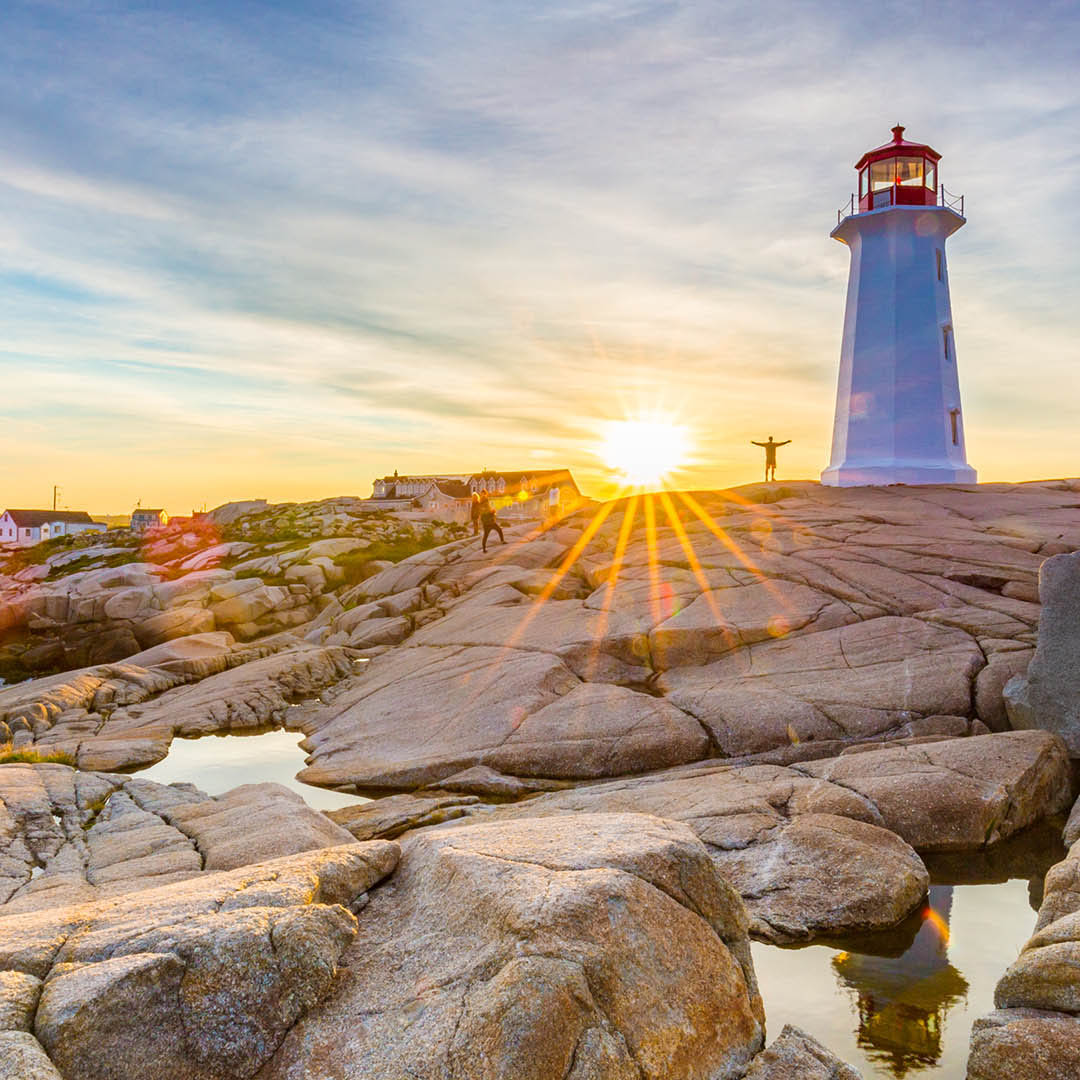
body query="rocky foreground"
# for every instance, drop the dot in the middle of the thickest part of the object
(605, 755)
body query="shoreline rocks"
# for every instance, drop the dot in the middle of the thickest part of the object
(1048, 696)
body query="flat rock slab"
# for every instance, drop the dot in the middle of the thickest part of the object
(854, 681)
(68, 836)
(849, 865)
(816, 618)
(607, 947)
(391, 816)
(216, 969)
(256, 694)
(770, 619)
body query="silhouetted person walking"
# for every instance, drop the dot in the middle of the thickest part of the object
(474, 513)
(770, 456)
(487, 519)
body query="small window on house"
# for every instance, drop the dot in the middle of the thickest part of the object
(940, 265)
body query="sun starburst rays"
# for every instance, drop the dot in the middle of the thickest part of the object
(655, 514)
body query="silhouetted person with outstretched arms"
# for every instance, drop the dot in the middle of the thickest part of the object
(770, 456)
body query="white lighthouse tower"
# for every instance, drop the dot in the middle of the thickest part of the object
(898, 415)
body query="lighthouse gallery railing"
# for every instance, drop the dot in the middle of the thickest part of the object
(944, 198)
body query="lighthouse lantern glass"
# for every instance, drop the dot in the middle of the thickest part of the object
(882, 174)
(909, 171)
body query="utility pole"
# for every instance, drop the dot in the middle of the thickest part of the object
(55, 496)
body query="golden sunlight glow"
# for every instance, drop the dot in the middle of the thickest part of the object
(644, 452)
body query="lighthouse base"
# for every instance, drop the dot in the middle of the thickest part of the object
(882, 475)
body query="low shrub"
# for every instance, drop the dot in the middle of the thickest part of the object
(33, 757)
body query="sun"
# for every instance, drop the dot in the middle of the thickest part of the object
(643, 453)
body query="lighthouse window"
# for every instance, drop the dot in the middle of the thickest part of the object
(954, 416)
(946, 338)
(862, 183)
(940, 273)
(909, 171)
(882, 174)
(931, 176)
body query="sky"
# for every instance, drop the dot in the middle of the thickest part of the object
(256, 249)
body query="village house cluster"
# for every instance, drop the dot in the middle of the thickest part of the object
(517, 493)
(25, 528)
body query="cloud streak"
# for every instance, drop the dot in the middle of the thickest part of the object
(411, 235)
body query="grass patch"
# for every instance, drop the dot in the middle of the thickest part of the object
(36, 555)
(33, 757)
(357, 564)
(119, 558)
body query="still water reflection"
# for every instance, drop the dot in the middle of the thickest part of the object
(902, 1004)
(216, 763)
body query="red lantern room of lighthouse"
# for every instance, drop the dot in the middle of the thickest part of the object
(900, 173)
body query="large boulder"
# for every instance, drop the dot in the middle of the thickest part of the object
(200, 979)
(175, 623)
(956, 794)
(824, 874)
(22, 1057)
(825, 847)
(1025, 1044)
(1049, 696)
(605, 948)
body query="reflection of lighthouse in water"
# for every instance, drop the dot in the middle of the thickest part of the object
(902, 1001)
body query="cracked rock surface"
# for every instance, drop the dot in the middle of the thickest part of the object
(793, 620)
(528, 949)
(826, 847)
(123, 716)
(68, 836)
(825, 618)
(200, 979)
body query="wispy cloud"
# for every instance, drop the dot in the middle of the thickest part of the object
(286, 249)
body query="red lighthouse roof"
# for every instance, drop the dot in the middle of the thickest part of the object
(896, 147)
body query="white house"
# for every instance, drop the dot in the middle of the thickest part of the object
(143, 519)
(24, 528)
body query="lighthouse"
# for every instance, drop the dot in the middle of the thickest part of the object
(898, 414)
